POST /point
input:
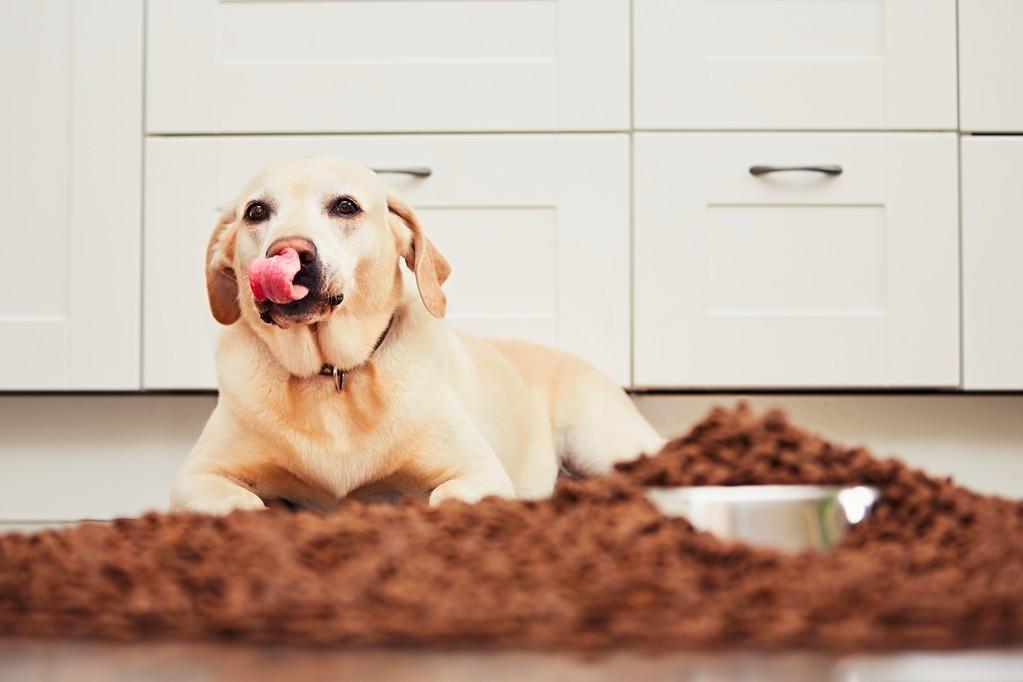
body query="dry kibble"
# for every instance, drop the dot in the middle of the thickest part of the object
(593, 567)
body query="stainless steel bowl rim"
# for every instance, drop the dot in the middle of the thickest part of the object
(764, 493)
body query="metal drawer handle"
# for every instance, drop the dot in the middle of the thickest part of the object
(829, 169)
(415, 171)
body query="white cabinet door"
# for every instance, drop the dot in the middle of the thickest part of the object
(790, 64)
(991, 64)
(536, 228)
(992, 275)
(70, 187)
(387, 65)
(796, 279)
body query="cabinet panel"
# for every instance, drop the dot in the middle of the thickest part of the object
(387, 65)
(795, 64)
(990, 64)
(70, 186)
(539, 243)
(992, 276)
(796, 279)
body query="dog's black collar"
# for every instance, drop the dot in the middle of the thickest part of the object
(330, 370)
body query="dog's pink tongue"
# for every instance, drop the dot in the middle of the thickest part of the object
(274, 278)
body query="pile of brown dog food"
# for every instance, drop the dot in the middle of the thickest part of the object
(594, 567)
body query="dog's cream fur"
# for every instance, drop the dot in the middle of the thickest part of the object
(433, 410)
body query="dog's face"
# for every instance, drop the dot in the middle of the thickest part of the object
(348, 232)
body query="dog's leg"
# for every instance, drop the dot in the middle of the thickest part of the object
(204, 482)
(598, 425)
(475, 469)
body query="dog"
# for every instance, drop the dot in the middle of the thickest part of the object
(360, 388)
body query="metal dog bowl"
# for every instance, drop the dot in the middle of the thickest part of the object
(787, 517)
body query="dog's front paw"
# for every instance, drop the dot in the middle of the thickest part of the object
(470, 490)
(211, 494)
(223, 506)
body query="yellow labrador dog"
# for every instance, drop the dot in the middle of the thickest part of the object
(345, 380)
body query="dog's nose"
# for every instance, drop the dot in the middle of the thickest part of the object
(305, 248)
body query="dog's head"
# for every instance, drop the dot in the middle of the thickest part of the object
(326, 235)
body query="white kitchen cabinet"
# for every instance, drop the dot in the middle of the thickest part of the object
(387, 65)
(795, 64)
(536, 228)
(992, 276)
(70, 187)
(796, 279)
(991, 64)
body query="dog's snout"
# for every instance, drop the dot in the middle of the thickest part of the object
(305, 248)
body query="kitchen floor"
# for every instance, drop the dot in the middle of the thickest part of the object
(87, 662)
(976, 438)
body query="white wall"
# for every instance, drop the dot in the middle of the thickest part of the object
(70, 457)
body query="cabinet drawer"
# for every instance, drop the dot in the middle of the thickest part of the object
(387, 65)
(992, 277)
(538, 242)
(790, 64)
(990, 64)
(796, 279)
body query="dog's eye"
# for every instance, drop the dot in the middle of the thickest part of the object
(344, 207)
(257, 212)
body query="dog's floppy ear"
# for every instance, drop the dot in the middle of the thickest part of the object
(422, 257)
(221, 282)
